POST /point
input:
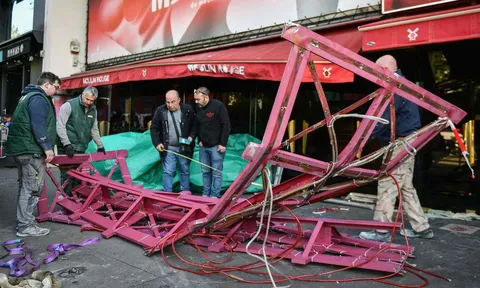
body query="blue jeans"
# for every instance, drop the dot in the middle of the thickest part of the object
(170, 167)
(211, 157)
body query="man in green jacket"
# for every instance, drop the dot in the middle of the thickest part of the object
(76, 126)
(31, 140)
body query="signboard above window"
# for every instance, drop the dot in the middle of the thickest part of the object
(392, 6)
(118, 28)
(15, 49)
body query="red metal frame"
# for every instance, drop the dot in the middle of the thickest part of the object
(321, 244)
(149, 218)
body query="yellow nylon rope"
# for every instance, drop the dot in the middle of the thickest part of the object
(203, 164)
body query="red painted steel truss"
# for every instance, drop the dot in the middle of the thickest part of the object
(155, 219)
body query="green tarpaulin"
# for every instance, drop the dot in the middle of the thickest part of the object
(146, 168)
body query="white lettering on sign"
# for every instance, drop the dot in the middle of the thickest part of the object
(96, 79)
(198, 3)
(217, 69)
(15, 51)
(159, 4)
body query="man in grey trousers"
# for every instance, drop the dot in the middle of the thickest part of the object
(31, 139)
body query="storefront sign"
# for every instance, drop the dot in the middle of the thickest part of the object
(391, 6)
(17, 50)
(443, 26)
(118, 28)
(217, 68)
(328, 73)
(96, 79)
(14, 50)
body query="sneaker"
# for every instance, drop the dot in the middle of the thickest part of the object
(206, 196)
(427, 234)
(214, 197)
(376, 236)
(33, 231)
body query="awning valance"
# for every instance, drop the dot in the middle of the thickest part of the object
(260, 61)
(438, 27)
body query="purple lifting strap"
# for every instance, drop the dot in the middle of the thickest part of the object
(61, 249)
(17, 264)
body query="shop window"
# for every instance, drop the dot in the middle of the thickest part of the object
(237, 104)
(260, 108)
(143, 108)
(440, 67)
(14, 85)
(22, 17)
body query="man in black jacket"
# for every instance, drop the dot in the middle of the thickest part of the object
(171, 126)
(212, 129)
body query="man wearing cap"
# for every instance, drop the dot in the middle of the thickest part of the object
(212, 130)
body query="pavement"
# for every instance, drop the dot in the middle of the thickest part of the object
(116, 262)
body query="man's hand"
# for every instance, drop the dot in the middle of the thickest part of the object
(69, 150)
(190, 139)
(160, 147)
(221, 149)
(200, 143)
(101, 150)
(49, 156)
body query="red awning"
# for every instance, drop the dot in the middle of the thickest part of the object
(262, 61)
(438, 27)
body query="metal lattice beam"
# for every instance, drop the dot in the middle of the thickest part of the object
(155, 219)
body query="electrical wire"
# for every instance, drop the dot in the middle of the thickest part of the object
(267, 262)
(207, 269)
(269, 196)
(202, 164)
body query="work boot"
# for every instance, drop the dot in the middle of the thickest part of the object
(426, 234)
(33, 231)
(376, 236)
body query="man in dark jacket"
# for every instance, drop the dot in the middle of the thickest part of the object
(76, 126)
(31, 140)
(407, 121)
(212, 129)
(171, 126)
